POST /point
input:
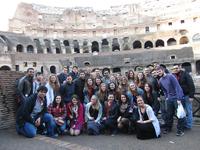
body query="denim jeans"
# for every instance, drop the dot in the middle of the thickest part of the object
(189, 114)
(171, 109)
(29, 130)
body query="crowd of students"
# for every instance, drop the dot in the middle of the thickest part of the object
(99, 102)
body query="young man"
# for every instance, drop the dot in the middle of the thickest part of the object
(33, 113)
(187, 84)
(174, 95)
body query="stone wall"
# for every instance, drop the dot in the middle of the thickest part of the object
(7, 98)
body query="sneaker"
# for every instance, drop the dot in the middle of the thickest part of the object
(165, 131)
(179, 133)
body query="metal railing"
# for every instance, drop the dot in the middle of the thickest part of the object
(196, 109)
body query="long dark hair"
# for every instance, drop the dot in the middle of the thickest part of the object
(127, 99)
(61, 102)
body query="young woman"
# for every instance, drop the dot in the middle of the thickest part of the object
(88, 90)
(75, 115)
(93, 114)
(147, 126)
(112, 88)
(131, 76)
(123, 84)
(102, 94)
(58, 111)
(98, 82)
(53, 87)
(132, 92)
(140, 80)
(110, 115)
(125, 113)
(150, 98)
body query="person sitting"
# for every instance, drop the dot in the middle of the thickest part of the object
(110, 115)
(147, 126)
(58, 111)
(125, 113)
(93, 114)
(75, 115)
(33, 113)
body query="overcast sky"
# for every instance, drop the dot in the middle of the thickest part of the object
(8, 7)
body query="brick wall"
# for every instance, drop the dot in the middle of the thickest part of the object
(7, 98)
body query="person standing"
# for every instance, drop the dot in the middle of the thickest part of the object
(174, 95)
(187, 85)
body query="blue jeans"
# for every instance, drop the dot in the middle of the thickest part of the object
(171, 109)
(29, 130)
(189, 114)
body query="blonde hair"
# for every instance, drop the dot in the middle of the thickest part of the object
(97, 103)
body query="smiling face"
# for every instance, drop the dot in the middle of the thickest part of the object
(74, 101)
(58, 99)
(93, 100)
(140, 101)
(112, 86)
(123, 98)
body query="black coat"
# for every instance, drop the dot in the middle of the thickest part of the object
(26, 108)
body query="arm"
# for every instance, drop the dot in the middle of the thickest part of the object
(99, 114)
(87, 113)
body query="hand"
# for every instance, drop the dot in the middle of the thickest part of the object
(37, 122)
(159, 99)
(104, 118)
(178, 102)
(140, 121)
(191, 99)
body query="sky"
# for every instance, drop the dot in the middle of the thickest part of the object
(8, 7)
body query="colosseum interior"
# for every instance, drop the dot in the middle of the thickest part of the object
(122, 37)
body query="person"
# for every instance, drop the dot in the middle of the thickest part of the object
(88, 90)
(173, 96)
(147, 126)
(79, 86)
(25, 84)
(98, 82)
(74, 73)
(114, 89)
(102, 94)
(67, 89)
(63, 75)
(93, 114)
(140, 80)
(131, 76)
(75, 113)
(125, 113)
(106, 76)
(110, 115)
(187, 84)
(132, 92)
(39, 80)
(151, 98)
(123, 84)
(53, 87)
(58, 110)
(33, 113)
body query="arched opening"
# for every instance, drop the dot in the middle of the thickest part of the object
(137, 44)
(126, 43)
(42, 69)
(30, 49)
(187, 66)
(115, 45)
(53, 69)
(160, 43)
(116, 70)
(5, 68)
(38, 46)
(87, 63)
(184, 40)
(198, 67)
(20, 48)
(7, 42)
(76, 46)
(171, 42)
(138, 68)
(196, 37)
(48, 45)
(57, 45)
(85, 46)
(95, 46)
(66, 42)
(148, 45)
(105, 45)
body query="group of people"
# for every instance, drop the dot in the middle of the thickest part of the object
(100, 102)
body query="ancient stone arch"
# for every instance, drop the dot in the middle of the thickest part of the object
(53, 69)
(38, 46)
(48, 45)
(137, 44)
(20, 48)
(95, 46)
(115, 45)
(57, 46)
(171, 42)
(30, 49)
(5, 67)
(148, 44)
(76, 46)
(159, 43)
(184, 40)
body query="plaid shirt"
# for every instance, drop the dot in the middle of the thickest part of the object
(57, 111)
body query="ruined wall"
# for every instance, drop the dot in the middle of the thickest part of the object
(7, 98)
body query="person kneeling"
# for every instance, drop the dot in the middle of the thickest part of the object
(147, 126)
(93, 115)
